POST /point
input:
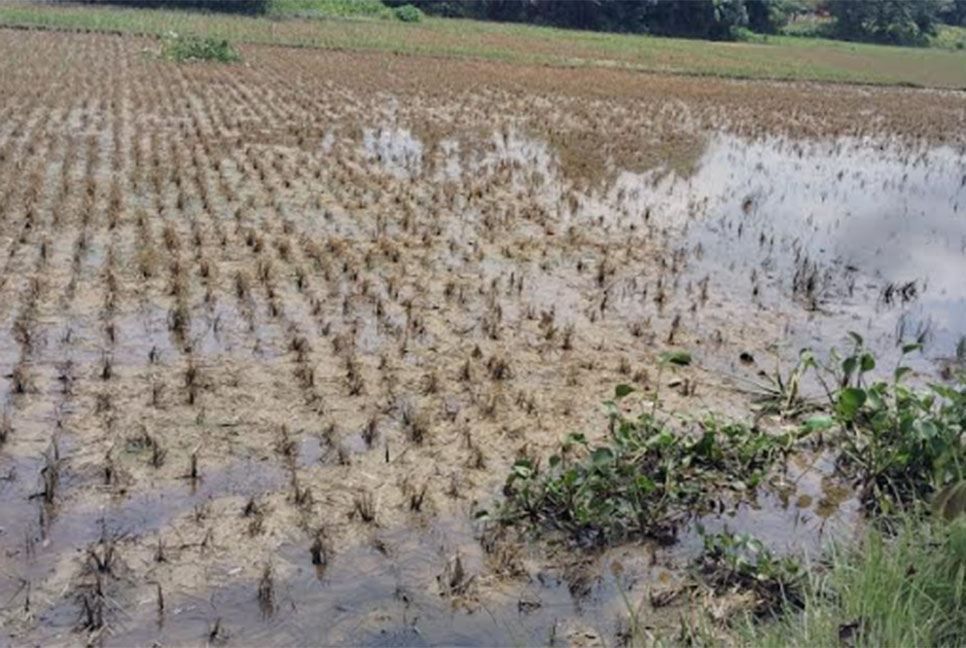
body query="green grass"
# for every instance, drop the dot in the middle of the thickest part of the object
(345, 9)
(906, 589)
(777, 57)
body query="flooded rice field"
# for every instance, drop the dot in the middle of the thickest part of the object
(271, 334)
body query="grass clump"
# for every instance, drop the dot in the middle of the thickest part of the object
(185, 48)
(905, 588)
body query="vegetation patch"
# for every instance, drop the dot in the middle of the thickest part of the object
(741, 562)
(647, 478)
(345, 9)
(901, 444)
(185, 48)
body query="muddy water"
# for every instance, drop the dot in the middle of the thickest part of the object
(767, 243)
(385, 594)
(820, 237)
(879, 227)
(235, 309)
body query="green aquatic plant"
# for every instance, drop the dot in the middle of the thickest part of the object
(901, 443)
(647, 477)
(741, 562)
(780, 393)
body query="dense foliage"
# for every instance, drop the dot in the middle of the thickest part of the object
(226, 6)
(650, 475)
(901, 22)
(714, 19)
(902, 444)
(954, 13)
(890, 21)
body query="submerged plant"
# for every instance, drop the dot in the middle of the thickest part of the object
(740, 562)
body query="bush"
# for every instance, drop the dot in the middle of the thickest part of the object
(185, 48)
(898, 22)
(408, 13)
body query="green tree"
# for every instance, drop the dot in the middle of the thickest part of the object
(889, 21)
(767, 16)
(716, 19)
(954, 13)
(227, 6)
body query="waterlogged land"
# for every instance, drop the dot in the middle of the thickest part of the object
(272, 333)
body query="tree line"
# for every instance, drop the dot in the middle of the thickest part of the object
(888, 21)
(252, 7)
(904, 22)
(710, 19)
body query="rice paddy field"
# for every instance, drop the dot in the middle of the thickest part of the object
(273, 333)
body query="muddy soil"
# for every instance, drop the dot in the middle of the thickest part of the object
(271, 333)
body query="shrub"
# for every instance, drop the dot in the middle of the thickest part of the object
(340, 9)
(408, 13)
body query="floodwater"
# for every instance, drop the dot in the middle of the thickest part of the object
(877, 228)
(822, 237)
(770, 243)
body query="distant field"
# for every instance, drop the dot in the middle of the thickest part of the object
(780, 57)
